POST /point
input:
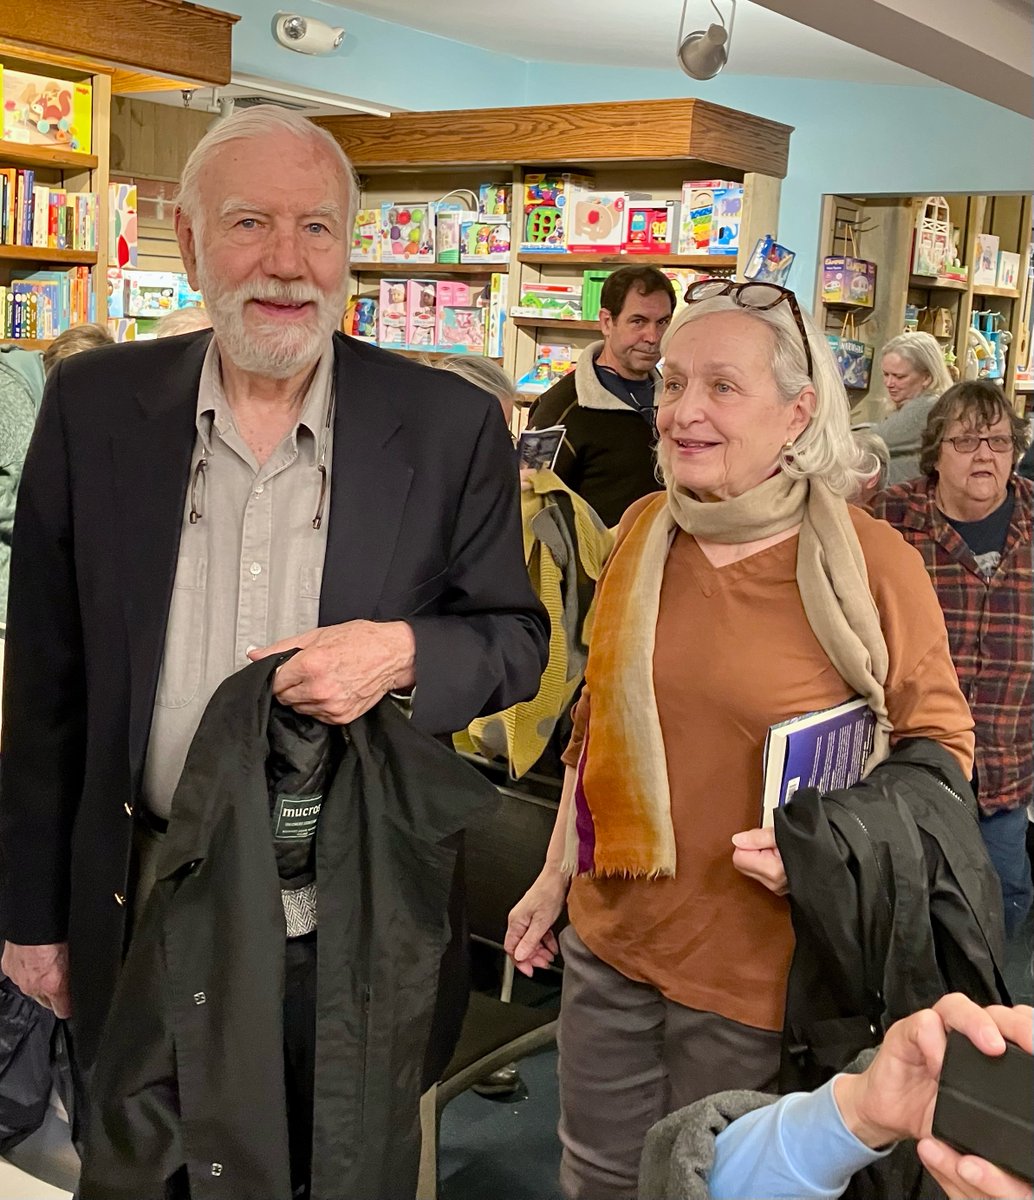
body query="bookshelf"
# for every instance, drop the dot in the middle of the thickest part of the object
(58, 167)
(646, 146)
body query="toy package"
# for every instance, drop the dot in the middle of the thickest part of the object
(651, 226)
(421, 314)
(457, 331)
(933, 246)
(847, 280)
(545, 198)
(552, 362)
(366, 243)
(854, 360)
(116, 293)
(594, 222)
(153, 293)
(485, 239)
(592, 289)
(449, 221)
(495, 199)
(725, 219)
(41, 111)
(407, 232)
(361, 318)
(769, 262)
(985, 261)
(696, 214)
(391, 314)
(462, 329)
(555, 301)
(498, 291)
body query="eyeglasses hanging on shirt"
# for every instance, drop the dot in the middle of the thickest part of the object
(197, 481)
(638, 394)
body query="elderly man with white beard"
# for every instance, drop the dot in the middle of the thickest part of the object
(192, 504)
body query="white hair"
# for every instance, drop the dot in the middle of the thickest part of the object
(826, 449)
(182, 320)
(923, 353)
(262, 121)
(873, 444)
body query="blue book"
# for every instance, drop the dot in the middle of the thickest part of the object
(824, 750)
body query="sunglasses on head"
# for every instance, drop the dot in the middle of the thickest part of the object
(759, 296)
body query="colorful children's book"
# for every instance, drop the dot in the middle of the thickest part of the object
(825, 750)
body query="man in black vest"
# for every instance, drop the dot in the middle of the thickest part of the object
(606, 403)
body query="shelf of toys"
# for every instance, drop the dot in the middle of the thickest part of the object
(53, 194)
(529, 209)
(952, 266)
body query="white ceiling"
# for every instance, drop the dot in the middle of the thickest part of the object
(621, 33)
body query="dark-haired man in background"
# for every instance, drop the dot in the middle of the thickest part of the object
(606, 403)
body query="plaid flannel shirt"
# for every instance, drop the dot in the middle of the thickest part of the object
(990, 630)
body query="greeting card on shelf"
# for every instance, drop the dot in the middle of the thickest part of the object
(1008, 269)
(985, 264)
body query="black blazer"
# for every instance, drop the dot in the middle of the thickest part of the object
(424, 525)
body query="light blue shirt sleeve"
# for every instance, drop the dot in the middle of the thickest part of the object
(796, 1149)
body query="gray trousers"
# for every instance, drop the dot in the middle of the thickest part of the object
(629, 1056)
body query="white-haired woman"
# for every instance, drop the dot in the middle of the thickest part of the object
(746, 593)
(914, 375)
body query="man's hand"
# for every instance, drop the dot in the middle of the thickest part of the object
(341, 671)
(966, 1177)
(894, 1097)
(757, 856)
(41, 972)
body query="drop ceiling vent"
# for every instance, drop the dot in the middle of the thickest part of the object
(254, 100)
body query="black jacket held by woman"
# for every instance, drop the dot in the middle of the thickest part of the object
(190, 1068)
(894, 903)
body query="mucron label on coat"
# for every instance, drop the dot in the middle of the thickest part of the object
(295, 817)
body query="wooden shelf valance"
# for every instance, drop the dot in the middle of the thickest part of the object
(653, 131)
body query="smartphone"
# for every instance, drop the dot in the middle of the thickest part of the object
(985, 1105)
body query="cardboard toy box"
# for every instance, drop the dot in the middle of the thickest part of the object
(545, 200)
(40, 111)
(847, 280)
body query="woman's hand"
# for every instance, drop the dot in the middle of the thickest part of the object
(757, 856)
(530, 940)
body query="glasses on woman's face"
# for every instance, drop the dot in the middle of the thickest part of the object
(760, 296)
(967, 443)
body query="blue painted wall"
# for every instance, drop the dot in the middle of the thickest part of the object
(848, 137)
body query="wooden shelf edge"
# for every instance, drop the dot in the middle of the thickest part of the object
(552, 323)
(27, 343)
(937, 283)
(21, 154)
(435, 268)
(1002, 292)
(41, 254)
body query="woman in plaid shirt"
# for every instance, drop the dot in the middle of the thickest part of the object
(969, 515)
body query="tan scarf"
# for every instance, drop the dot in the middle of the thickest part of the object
(621, 820)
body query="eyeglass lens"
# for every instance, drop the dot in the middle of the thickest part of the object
(969, 442)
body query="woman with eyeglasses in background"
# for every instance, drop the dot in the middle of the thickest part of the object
(722, 609)
(969, 515)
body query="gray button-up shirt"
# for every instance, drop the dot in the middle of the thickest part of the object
(249, 570)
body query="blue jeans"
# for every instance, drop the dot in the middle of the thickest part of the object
(1005, 836)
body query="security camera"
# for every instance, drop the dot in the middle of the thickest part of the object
(305, 34)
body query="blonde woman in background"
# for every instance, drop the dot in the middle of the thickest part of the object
(915, 376)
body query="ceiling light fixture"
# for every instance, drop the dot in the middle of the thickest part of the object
(702, 54)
